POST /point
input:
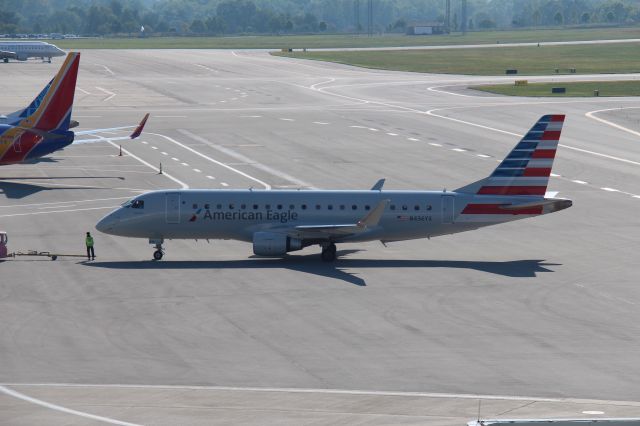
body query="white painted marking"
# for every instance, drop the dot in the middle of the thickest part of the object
(555, 175)
(164, 153)
(58, 211)
(320, 122)
(434, 144)
(483, 155)
(154, 147)
(198, 138)
(56, 207)
(59, 203)
(414, 139)
(210, 177)
(62, 409)
(227, 88)
(107, 69)
(373, 129)
(392, 134)
(581, 182)
(197, 170)
(358, 127)
(222, 102)
(145, 142)
(206, 68)
(182, 184)
(610, 189)
(434, 89)
(287, 119)
(458, 149)
(224, 184)
(636, 196)
(184, 164)
(111, 94)
(593, 412)
(83, 91)
(333, 392)
(251, 116)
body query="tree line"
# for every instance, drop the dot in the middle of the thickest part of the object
(220, 17)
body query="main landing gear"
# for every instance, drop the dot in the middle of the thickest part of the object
(157, 255)
(329, 252)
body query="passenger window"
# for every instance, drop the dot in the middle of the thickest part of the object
(292, 207)
(318, 206)
(393, 206)
(255, 207)
(354, 207)
(304, 207)
(219, 207)
(367, 207)
(195, 206)
(429, 207)
(267, 206)
(231, 207)
(330, 207)
(206, 206)
(279, 206)
(416, 207)
(243, 206)
(341, 206)
(404, 207)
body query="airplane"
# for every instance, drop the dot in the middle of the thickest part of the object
(43, 127)
(281, 221)
(23, 50)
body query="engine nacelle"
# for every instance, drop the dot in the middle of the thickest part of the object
(274, 244)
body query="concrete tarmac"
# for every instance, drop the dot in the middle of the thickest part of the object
(541, 314)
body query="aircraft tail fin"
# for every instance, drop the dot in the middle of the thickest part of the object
(526, 170)
(51, 110)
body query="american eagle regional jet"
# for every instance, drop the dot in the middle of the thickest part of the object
(281, 221)
(43, 126)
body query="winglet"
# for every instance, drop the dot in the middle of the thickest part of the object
(374, 216)
(378, 186)
(138, 131)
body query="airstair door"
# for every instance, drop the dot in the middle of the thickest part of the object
(447, 209)
(173, 207)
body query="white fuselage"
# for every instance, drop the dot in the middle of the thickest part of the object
(24, 50)
(239, 214)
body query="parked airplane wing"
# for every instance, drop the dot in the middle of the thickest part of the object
(368, 221)
(99, 138)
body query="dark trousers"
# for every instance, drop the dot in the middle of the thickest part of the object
(90, 253)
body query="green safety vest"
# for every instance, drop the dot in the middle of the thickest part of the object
(89, 241)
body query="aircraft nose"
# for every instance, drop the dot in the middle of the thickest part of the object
(108, 223)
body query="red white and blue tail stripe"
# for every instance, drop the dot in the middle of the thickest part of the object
(526, 170)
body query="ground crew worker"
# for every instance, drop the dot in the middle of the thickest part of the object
(91, 254)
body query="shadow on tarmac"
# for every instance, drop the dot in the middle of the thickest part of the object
(311, 264)
(18, 190)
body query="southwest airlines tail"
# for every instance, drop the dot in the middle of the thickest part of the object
(54, 111)
(526, 170)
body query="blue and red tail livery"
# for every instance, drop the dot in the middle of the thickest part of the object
(43, 127)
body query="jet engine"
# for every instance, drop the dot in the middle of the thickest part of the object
(274, 244)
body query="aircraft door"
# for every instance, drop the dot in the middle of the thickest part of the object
(173, 207)
(447, 209)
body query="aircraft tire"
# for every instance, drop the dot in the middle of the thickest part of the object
(329, 253)
(157, 255)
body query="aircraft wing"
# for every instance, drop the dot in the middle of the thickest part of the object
(98, 137)
(339, 230)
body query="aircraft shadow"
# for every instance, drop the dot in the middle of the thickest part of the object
(18, 190)
(341, 269)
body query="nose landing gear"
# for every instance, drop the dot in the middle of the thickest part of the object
(157, 255)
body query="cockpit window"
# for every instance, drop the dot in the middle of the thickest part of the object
(137, 204)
